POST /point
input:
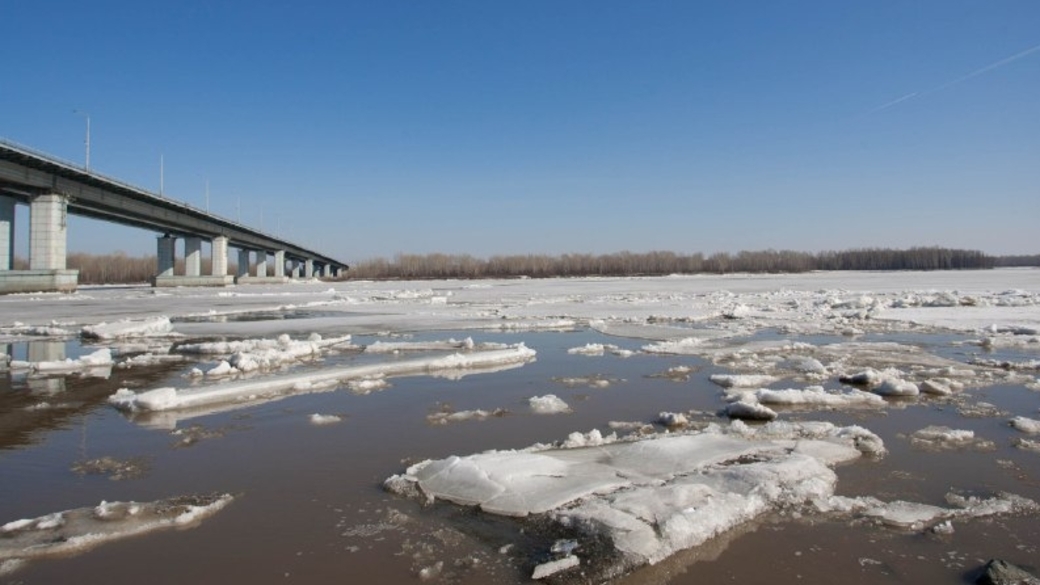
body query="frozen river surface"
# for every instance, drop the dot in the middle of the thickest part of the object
(884, 427)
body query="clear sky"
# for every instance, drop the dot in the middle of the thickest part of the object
(547, 126)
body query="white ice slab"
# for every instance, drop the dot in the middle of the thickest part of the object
(654, 496)
(161, 399)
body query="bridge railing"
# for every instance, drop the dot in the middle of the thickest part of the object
(81, 169)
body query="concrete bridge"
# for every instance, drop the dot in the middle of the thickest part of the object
(52, 188)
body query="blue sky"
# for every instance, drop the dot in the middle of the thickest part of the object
(546, 126)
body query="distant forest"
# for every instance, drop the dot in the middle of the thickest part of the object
(120, 268)
(407, 266)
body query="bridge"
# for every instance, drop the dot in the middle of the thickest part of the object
(53, 188)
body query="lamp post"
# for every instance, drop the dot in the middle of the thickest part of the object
(87, 141)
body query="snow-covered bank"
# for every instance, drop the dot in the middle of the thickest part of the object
(161, 399)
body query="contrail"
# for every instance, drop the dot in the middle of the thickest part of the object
(989, 67)
(961, 79)
(892, 103)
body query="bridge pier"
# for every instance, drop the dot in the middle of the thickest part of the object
(219, 256)
(166, 275)
(47, 237)
(261, 264)
(167, 255)
(277, 275)
(6, 233)
(243, 264)
(279, 263)
(192, 257)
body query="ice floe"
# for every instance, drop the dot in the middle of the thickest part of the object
(891, 386)
(446, 417)
(818, 396)
(672, 419)
(151, 327)
(272, 387)
(18, 329)
(743, 380)
(99, 362)
(75, 531)
(261, 355)
(749, 409)
(548, 404)
(325, 419)
(401, 346)
(942, 437)
(654, 496)
(1026, 425)
(599, 349)
(917, 516)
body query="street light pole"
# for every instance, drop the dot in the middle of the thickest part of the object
(87, 141)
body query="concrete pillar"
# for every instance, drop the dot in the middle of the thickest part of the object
(308, 268)
(261, 264)
(192, 256)
(218, 256)
(243, 263)
(279, 263)
(295, 268)
(167, 254)
(47, 232)
(6, 232)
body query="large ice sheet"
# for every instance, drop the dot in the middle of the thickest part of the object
(649, 497)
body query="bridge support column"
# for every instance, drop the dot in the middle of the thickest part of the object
(6, 233)
(192, 257)
(308, 268)
(167, 254)
(192, 263)
(218, 256)
(47, 239)
(47, 232)
(279, 263)
(294, 269)
(243, 264)
(276, 275)
(261, 264)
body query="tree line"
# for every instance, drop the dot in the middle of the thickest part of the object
(120, 268)
(410, 266)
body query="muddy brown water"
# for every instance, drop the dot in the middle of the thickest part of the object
(310, 507)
